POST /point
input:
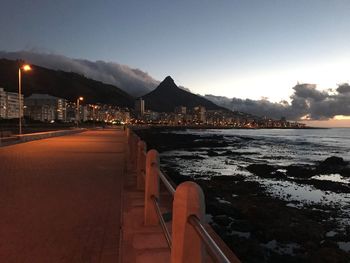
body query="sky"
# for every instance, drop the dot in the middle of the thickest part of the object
(244, 49)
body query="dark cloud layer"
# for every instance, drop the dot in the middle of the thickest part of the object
(305, 101)
(133, 81)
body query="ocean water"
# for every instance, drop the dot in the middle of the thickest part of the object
(286, 146)
(277, 147)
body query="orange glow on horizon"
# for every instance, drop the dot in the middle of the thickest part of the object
(341, 117)
(331, 123)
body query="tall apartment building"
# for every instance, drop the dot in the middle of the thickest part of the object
(200, 114)
(9, 105)
(44, 107)
(2, 104)
(140, 107)
(180, 110)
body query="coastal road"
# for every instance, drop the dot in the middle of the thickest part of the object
(60, 198)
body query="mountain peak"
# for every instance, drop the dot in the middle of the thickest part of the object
(168, 82)
(168, 95)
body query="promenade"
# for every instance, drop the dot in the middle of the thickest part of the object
(60, 198)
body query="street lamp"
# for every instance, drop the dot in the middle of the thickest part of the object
(25, 68)
(94, 107)
(78, 111)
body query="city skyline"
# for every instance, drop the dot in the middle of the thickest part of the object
(233, 49)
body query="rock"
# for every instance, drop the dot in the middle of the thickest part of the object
(300, 171)
(334, 161)
(212, 153)
(263, 170)
(222, 220)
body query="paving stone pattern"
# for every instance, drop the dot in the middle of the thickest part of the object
(60, 198)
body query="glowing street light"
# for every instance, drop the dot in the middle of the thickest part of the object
(25, 68)
(78, 111)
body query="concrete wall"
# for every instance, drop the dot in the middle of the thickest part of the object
(36, 136)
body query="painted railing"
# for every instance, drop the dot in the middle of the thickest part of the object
(189, 240)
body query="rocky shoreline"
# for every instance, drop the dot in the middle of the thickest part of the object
(257, 225)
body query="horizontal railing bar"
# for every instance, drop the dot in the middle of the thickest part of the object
(211, 245)
(162, 222)
(166, 182)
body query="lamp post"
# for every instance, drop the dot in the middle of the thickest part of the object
(24, 68)
(94, 107)
(78, 110)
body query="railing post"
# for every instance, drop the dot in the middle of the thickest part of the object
(151, 187)
(127, 133)
(128, 148)
(141, 164)
(134, 151)
(186, 244)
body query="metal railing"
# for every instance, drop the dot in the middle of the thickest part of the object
(166, 183)
(188, 208)
(209, 242)
(162, 222)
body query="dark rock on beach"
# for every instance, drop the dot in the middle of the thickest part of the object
(263, 170)
(298, 171)
(333, 161)
(334, 164)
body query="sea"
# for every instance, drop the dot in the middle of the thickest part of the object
(277, 147)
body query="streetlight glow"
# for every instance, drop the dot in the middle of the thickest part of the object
(26, 67)
(81, 98)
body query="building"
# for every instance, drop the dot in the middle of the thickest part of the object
(199, 114)
(44, 107)
(140, 107)
(180, 110)
(2, 104)
(9, 105)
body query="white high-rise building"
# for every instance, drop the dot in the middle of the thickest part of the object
(2, 104)
(9, 105)
(44, 107)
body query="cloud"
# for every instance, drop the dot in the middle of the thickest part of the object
(306, 102)
(133, 81)
(344, 88)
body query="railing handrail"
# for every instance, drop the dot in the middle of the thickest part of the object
(212, 247)
(166, 182)
(209, 242)
(161, 220)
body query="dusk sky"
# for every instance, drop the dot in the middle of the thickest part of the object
(243, 49)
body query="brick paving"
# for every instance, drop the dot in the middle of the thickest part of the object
(60, 198)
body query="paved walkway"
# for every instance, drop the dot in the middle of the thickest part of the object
(60, 198)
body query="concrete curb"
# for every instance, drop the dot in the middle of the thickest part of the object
(36, 136)
(121, 229)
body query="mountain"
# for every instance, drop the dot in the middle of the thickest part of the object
(61, 84)
(168, 95)
(132, 80)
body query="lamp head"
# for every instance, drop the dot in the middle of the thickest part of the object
(81, 98)
(26, 67)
